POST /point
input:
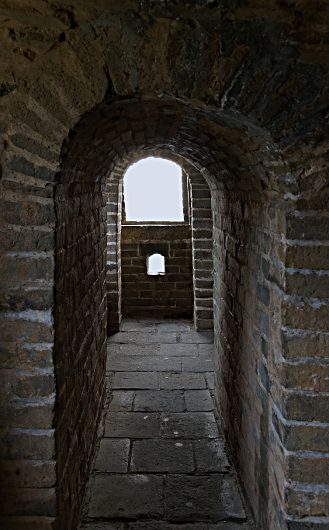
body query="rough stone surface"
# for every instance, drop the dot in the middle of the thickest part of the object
(166, 464)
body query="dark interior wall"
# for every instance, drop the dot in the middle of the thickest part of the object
(80, 327)
(247, 283)
(170, 295)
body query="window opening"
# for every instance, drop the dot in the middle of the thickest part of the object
(155, 264)
(153, 191)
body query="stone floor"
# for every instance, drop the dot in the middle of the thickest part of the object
(161, 462)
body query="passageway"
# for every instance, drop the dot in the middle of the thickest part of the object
(161, 461)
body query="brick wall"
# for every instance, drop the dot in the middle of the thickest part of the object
(80, 346)
(272, 346)
(170, 295)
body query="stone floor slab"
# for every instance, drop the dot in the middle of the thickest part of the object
(182, 381)
(132, 425)
(132, 349)
(113, 456)
(134, 325)
(103, 525)
(160, 525)
(139, 337)
(190, 425)
(200, 498)
(178, 350)
(135, 363)
(210, 456)
(174, 326)
(198, 400)
(162, 456)
(197, 364)
(159, 400)
(210, 380)
(121, 401)
(206, 349)
(138, 380)
(196, 337)
(126, 496)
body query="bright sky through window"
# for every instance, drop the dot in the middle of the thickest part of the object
(156, 264)
(153, 191)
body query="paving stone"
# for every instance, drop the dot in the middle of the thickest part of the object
(196, 337)
(210, 378)
(197, 364)
(143, 380)
(201, 498)
(159, 525)
(159, 400)
(210, 456)
(198, 400)
(126, 496)
(225, 525)
(139, 337)
(189, 425)
(162, 456)
(113, 456)
(132, 425)
(174, 326)
(102, 526)
(178, 350)
(182, 381)
(136, 363)
(122, 400)
(134, 325)
(133, 349)
(206, 349)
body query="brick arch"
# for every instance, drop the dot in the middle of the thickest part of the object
(258, 385)
(202, 241)
(247, 180)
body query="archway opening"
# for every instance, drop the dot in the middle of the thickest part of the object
(245, 246)
(153, 191)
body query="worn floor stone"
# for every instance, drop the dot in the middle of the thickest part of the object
(162, 456)
(126, 496)
(132, 425)
(159, 400)
(185, 381)
(136, 380)
(113, 456)
(161, 464)
(198, 400)
(200, 498)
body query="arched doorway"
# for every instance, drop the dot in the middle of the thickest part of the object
(245, 247)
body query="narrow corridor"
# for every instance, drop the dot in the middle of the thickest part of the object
(161, 462)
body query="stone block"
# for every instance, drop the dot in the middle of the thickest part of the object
(188, 425)
(211, 498)
(178, 350)
(159, 400)
(112, 456)
(124, 496)
(198, 400)
(182, 381)
(210, 456)
(162, 456)
(138, 363)
(121, 401)
(132, 425)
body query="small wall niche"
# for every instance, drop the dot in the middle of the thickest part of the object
(155, 265)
